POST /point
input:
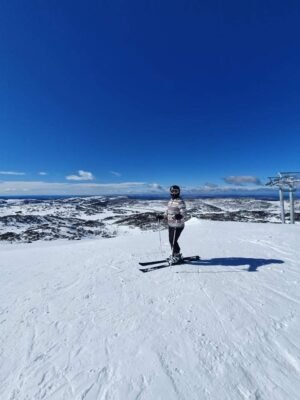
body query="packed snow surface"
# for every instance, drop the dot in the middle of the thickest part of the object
(79, 321)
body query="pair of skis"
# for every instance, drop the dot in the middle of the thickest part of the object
(164, 263)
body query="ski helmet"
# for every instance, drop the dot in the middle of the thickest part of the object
(175, 191)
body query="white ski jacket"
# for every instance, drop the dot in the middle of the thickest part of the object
(176, 206)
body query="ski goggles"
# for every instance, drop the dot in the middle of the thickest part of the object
(174, 191)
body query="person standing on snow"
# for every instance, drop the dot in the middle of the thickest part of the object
(175, 217)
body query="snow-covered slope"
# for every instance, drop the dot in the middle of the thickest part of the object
(78, 320)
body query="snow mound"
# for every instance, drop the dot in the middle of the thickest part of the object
(193, 221)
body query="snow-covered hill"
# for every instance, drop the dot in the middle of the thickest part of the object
(77, 218)
(79, 321)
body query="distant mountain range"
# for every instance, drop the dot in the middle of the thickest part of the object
(74, 218)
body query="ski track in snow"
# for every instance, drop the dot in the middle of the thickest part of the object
(79, 321)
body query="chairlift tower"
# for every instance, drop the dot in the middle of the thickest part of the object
(286, 182)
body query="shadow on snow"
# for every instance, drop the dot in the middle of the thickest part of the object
(252, 263)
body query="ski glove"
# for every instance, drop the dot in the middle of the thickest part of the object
(178, 217)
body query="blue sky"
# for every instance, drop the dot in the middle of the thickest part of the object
(133, 96)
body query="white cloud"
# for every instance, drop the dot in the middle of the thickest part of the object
(124, 188)
(240, 180)
(52, 188)
(210, 185)
(115, 173)
(82, 176)
(11, 173)
(43, 173)
(156, 187)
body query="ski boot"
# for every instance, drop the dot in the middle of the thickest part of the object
(175, 259)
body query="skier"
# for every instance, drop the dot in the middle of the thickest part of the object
(175, 216)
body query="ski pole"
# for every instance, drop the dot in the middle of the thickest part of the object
(160, 237)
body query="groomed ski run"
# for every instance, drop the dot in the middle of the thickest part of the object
(79, 321)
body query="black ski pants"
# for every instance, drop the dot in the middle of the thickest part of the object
(173, 239)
